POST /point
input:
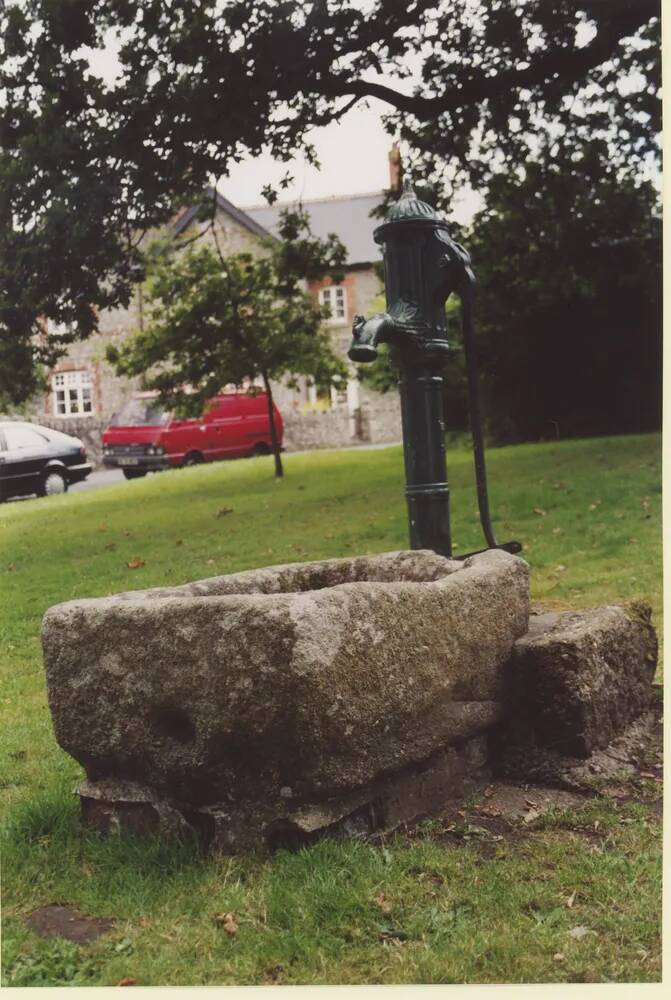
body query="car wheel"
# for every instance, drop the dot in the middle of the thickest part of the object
(259, 449)
(134, 473)
(53, 483)
(193, 458)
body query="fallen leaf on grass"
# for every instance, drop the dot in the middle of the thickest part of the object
(577, 933)
(571, 899)
(540, 511)
(530, 816)
(144, 922)
(227, 921)
(126, 981)
(102, 526)
(615, 793)
(559, 956)
(135, 563)
(488, 810)
(223, 511)
(383, 903)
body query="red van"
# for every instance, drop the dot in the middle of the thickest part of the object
(142, 437)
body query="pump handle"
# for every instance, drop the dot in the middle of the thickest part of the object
(467, 293)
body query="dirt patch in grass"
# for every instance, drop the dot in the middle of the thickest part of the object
(60, 920)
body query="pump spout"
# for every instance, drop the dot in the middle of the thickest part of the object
(367, 334)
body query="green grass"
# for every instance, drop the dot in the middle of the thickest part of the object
(588, 514)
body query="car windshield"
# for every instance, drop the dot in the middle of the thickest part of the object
(140, 412)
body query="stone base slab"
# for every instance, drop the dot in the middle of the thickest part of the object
(380, 806)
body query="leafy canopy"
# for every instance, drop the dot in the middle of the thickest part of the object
(86, 167)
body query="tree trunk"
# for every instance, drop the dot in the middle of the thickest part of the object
(279, 471)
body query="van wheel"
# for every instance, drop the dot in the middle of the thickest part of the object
(193, 458)
(259, 449)
(134, 473)
(53, 483)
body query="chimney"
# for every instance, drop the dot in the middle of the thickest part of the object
(395, 169)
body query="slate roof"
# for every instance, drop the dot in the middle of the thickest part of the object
(348, 216)
(226, 206)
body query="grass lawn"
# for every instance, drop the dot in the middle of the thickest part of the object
(588, 514)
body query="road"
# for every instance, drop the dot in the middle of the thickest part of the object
(101, 477)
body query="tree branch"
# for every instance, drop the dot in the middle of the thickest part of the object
(571, 66)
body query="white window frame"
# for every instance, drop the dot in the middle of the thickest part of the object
(72, 393)
(335, 297)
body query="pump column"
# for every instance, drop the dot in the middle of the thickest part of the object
(426, 489)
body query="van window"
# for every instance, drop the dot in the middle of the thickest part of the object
(140, 413)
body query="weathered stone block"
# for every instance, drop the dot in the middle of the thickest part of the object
(110, 805)
(576, 679)
(288, 684)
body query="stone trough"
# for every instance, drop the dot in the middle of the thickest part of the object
(270, 707)
(253, 697)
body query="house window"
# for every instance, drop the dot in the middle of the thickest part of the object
(72, 394)
(334, 298)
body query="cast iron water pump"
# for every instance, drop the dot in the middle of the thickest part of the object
(423, 266)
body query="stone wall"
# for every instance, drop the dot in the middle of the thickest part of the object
(380, 417)
(319, 429)
(377, 421)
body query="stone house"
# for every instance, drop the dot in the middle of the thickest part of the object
(84, 391)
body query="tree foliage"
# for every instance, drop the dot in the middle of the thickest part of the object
(86, 167)
(215, 320)
(568, 307)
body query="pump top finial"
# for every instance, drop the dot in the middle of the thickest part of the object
(409, 208)
(408, 189)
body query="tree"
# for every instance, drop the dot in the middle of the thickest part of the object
(568, 307)
(86, 168)
(215, 320)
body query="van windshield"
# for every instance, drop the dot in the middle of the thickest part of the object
(138, 413)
